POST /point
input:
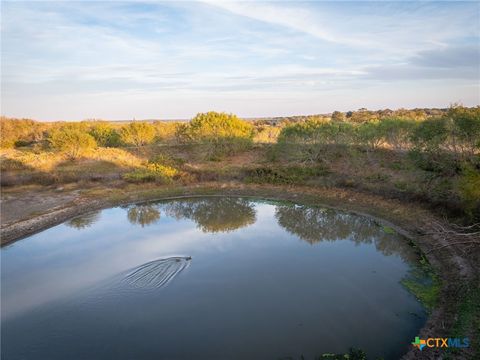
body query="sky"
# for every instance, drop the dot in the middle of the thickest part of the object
(64, 60)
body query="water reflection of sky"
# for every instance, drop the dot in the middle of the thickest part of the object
(345, 255)
(60, 260)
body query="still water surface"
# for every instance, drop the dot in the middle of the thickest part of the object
(208, 278)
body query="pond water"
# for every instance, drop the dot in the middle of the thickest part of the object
(208, 278)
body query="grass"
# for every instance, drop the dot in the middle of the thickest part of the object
(423, 283)
(388, 229)
(353, 169)
(13, 159)
(468, 320)
(286, 175)
(163, 174)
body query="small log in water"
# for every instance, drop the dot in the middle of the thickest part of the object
(158, 273)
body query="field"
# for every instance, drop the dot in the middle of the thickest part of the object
(430, 156)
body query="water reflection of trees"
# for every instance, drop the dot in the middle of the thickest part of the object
(214, 214)
(316, 224)
(84, 221)
(143, 215)
(211, 214)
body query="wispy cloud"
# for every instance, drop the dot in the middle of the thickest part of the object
(173, 59)
(285, 15)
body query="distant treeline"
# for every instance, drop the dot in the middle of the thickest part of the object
(361, 115)
(430, 134)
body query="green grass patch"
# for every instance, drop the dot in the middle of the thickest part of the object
(468, 321)
(287, 175)
(423, 283)
(152, 173)
(388, 230)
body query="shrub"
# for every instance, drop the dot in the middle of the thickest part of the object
(267, 134)
(428, 139)
(397, 132)
(19, 132)
(225, 134)
(104, 134)
(371, 135)
(308, 141)
(464, 131)
(338, 116)
(469, 188)
(430, 134)
(71, 139)
(152, 172)
(165, 159)
(165, 130)
(137, 133)
(363, 116)
(182, 134)
(283, 175)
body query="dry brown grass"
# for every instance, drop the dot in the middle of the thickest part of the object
(45, 161)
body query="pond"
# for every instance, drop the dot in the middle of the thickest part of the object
(209, 278)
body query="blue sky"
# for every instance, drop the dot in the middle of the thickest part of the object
(120, 60)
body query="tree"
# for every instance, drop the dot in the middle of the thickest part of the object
(104, 134)
(397, 132)
(469, 188)
(428, 150)
(464, 129)
(137, 133)
(310, 140)
(165, 130)
(224, 134)
(71, 139)
(363, 115)
(338, 116)
(371, 135)
(430, 134)
(19, 132)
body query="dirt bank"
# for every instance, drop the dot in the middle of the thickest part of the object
(29, 210)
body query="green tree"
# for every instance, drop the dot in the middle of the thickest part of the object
(310, 140)
(428, 140)
(397, 132)
(71, 139)
(464, 131)
(224, 134)
(371, 135)
(430, 134)
(137, 133)
(104, 134)
(469, 188)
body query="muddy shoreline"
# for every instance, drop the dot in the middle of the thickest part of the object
(454, 267)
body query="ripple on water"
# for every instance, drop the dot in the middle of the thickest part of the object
(158, 273)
